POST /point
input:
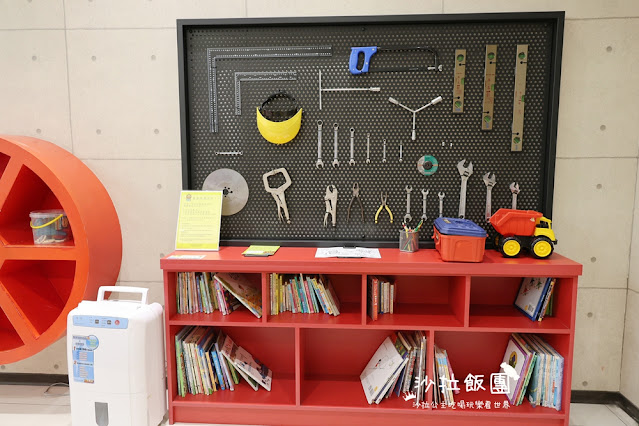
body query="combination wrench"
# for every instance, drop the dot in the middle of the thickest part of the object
(335, 160)
(352, 160)
(441, 203)
(407, 216)
(384, 158)
(319, 163)
(424, 195)
(368, 148)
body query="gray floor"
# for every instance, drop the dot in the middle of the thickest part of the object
(28, 406)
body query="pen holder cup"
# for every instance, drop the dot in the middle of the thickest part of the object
(408, 241)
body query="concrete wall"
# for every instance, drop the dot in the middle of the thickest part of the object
(99, 78)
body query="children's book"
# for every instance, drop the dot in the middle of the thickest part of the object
(515, 359)
(229, 350)
(381, 369)
(240, 287)
(253, 368)
(531, 295)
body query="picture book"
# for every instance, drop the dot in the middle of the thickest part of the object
(516, 358)
(253, 368)
(240, 287)
(381, 369)
(531, 295)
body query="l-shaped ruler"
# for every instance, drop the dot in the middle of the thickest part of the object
(489, 87)
(519, 98)
(258, 76)
(213, 54)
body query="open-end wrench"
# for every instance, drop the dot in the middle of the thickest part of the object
(424, 195)
(441, 203)
(368, 148)
(514, 188)
(490, 182)
(465, 172)
(319, 163)
(384, 158)
(401, 152)
(335, 160)
(407, 216)
(352, 160)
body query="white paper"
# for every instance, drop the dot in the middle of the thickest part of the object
(357, 252)
(187, 256)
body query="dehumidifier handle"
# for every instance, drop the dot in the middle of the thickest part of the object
(124, 289)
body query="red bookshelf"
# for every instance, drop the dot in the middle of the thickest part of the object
(466, 308)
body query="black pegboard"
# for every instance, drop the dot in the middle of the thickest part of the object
(447, 136)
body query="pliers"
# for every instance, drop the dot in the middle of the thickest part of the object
(355, 195)
(331, 204)
(384, 197)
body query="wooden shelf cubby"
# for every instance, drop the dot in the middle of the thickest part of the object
(465, 308)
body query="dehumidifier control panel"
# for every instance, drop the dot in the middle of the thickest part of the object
(100, 321)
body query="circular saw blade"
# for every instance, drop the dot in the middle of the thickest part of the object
(233, 186)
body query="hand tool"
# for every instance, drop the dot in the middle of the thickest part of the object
(490, 65)
(352, 160)
(229, 153)
(458, 85)
(514, 188)
(278, 193)
(331, 205)
(342, 89)
(435, 101)
(465, 172)
(384, 147)
(215, 54)
(424, 196)
(519, 98)
(368, 148)
(234, 189)
(401, 151)
(258, 76)
(319, 163)
(369, 51)
(427, 165)
(441, 203)
(355, 195)
(407, 216)
(490, 182)
(384, 197)
(279, 118)
(335, 160)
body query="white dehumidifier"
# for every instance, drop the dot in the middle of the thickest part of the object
(115, 351)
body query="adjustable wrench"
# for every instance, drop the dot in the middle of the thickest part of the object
(514, 188)
(384, 158)
(465, 172)
(424, 195)
(368, 148)
(335, 160)
(441, 203)
(407, 216)
(352, 160)
(319, 164)
(490, 182)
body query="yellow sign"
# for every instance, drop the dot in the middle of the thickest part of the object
(198, 225)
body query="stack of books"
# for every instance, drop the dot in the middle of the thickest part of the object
(206, 292)
(398, 365)
(534, 368)
(303, 294)
(535, 297)
(381, 297)
(444, 388)
(208, 360)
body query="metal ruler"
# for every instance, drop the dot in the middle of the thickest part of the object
(519, 98)
(258, 76)
(489, 86)
(460, 75)
(214, 54)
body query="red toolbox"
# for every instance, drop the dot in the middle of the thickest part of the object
(459, 240)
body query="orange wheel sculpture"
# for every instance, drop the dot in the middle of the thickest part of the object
(40, 284)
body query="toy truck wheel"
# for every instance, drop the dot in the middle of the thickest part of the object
(510, 246)
(541, 247)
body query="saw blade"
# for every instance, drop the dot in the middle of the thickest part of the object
(233, 186)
